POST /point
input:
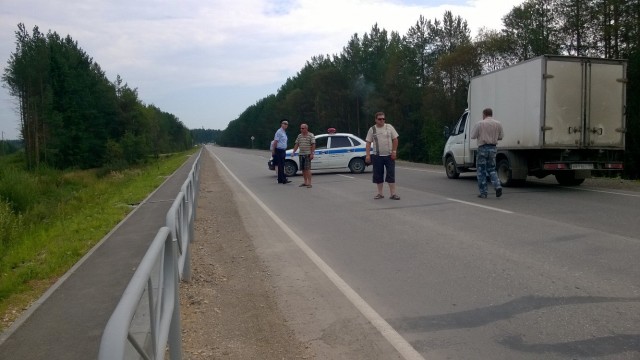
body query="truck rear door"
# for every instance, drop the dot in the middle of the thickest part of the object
(564, 88)
(584, 104)
(605, 118)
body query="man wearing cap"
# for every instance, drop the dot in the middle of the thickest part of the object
(279, 150)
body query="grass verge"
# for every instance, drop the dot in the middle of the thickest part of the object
(50, 219)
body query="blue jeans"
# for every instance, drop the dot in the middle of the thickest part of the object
(486, 166)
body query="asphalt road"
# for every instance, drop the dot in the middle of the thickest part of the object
(544, 272)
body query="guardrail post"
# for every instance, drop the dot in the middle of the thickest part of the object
(175, 340)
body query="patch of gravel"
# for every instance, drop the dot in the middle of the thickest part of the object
(228, 309)
(613, 183)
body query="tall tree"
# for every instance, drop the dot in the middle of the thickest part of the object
(456, 62)
(351, 65)
(494, 50)
(419, 46)
(578, 27)
(374, 54)
(530, 28)
(26, 77)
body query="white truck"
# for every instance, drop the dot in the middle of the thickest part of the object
(561, 115)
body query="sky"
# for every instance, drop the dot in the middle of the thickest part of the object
(206, 61)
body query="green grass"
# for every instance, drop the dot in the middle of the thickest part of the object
(49, 219)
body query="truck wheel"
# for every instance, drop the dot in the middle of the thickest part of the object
(290, 168)
(504, 173)
(568, 178)
(450, 168)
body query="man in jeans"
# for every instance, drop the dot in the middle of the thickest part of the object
(488, 132)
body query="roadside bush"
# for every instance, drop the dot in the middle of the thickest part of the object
(15, 189)
(21, 189)
(10, 224)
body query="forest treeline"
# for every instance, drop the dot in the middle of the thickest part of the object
(203, 136)
(420, 79)
(72, 116)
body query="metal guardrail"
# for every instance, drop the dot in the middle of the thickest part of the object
(166, 261)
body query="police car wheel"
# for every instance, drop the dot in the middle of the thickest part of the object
(290, 168)
(357, 165)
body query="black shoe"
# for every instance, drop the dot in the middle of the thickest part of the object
(482, 196)
(498, 192)
(286, 181)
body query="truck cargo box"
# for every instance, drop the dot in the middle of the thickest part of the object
(561, 116)
(554, 102)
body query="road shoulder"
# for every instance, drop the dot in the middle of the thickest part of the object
(256, 295)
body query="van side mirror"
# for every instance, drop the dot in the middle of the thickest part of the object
(446, 132)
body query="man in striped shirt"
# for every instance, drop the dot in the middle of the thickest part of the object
(306, 142)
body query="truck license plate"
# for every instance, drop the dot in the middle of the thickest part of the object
(582, 166)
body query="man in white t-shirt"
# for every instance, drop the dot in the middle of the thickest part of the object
(384, 138)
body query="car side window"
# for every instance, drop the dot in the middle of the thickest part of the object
(339, 141)
(355, 142)
(321, 143)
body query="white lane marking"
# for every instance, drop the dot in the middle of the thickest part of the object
(396, 340)
(482, 206)
(347, 176)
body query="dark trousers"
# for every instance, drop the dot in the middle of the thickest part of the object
(279, 157)
(380, 163)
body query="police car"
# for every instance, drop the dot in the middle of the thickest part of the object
(334, 151)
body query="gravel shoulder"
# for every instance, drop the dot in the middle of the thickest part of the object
(228, 309)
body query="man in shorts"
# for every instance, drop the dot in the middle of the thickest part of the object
(306, 142)
(382, 139)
